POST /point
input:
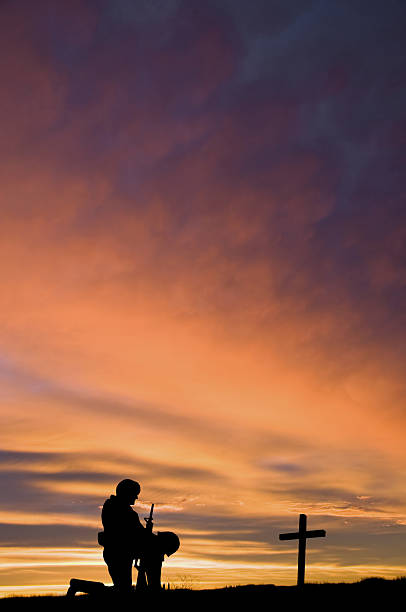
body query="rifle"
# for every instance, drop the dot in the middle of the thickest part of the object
(149, 520)
(139, 564)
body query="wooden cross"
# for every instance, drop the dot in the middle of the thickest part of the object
(302, 536)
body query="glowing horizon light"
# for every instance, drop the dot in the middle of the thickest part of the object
(181, 570)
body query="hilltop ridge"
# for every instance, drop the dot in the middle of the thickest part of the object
(367, 593)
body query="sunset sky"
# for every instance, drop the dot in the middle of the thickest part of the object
(203, 284)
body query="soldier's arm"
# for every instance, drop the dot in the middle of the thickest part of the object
(136, 523)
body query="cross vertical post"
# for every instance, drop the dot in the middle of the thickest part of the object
(301, 557)
(302, 536)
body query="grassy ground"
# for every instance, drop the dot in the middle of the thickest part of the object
(365, 595)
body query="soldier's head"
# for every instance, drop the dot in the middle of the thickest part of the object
(128, 490)
(168, 542)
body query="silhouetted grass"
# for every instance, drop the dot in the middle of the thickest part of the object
(367, 594)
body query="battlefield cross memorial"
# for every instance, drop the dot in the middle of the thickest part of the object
(302, 536)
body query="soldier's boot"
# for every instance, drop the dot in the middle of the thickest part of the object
(85, 586)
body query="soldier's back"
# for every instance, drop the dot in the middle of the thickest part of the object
(122, 526)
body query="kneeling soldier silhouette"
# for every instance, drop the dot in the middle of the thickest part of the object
(126, 540)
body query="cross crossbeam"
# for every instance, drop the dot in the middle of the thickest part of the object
(295, 535)
(302, 535)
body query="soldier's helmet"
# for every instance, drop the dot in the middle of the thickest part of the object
(168, 542)
(128, 488)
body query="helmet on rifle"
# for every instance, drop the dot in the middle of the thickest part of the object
(168, 542)
(128, 489)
